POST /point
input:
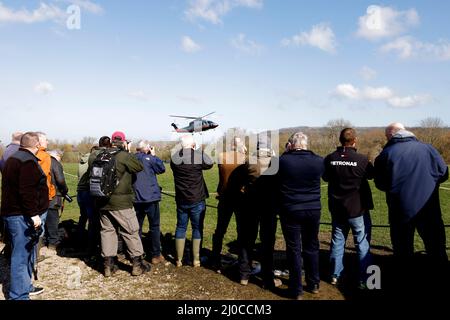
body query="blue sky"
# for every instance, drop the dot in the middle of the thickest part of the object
(260, 64)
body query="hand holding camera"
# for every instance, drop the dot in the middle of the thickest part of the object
(36, 221)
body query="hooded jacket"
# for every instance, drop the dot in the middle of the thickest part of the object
(409, 171)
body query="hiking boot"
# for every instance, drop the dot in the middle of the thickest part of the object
(313, 288)
(36, 291)
(158, 259)
(110, 266)
(140, 266)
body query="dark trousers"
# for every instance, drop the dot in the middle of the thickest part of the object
(247, 224)
(301, 230)
(224, 214)
(89, 212)
(430, 227)
(250, 217)
(51, 227)
(151, 211)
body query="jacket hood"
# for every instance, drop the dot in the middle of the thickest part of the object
(403, 134)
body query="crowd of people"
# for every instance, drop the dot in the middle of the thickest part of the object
(117, 189)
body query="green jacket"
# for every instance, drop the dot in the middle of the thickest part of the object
(123, 196)
(84, 169)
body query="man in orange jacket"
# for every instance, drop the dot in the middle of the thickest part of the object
(45, 161)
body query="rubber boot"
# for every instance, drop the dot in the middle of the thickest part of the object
(196, 251)
(179, 246)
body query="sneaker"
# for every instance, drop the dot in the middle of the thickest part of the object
(244, 282)
(36, 291)
(159, 259)
(334, 280)
(277, 283)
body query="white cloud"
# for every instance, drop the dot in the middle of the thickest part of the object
(139, 95)
(321, 36)
(408, 101)
(44, 88)
(87, 5)
(382, 22)
(45, 12)
(409, 47)
(188, 45)
(367, 73)
(246, 46)
(213, 10)
(380, 93)
(348, 91)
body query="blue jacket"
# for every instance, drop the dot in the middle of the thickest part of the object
(299, 180)
(146, 187)
(408, 171)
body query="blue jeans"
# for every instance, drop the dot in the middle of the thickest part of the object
(151, 210)
(360, 227)
(20, 228)
(186, 212)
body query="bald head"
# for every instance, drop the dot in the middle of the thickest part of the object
(392, 129)
(187, 142)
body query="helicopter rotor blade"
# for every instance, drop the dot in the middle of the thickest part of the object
(185, 117)
(207, 115)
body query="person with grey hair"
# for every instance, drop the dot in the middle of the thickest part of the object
(300, 209)
(410, 173)
(52, 238)
(148, 195)
(187, 166)
(11, 148)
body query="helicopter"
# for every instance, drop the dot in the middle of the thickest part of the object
(198, 125)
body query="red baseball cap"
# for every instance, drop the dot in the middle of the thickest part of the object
(118, 135)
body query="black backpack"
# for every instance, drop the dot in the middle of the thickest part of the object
(103, 175)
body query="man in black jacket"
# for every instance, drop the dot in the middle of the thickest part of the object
(190, 193)
(24, 199)
(349, 202)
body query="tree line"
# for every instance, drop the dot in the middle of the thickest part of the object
(322, 140)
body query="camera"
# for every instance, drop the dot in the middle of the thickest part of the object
(68, 198)
(35, 235)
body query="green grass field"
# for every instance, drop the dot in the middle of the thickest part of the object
(380, 236)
